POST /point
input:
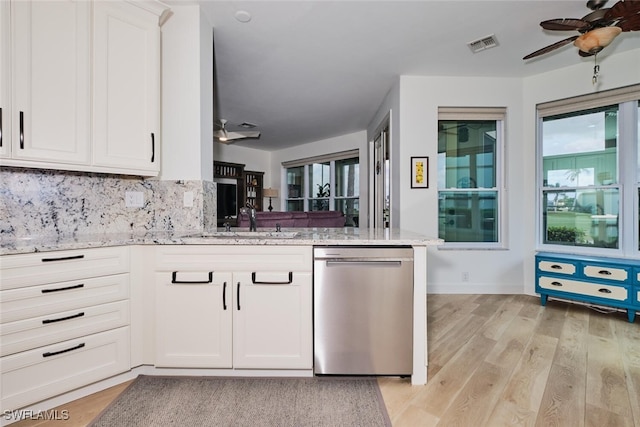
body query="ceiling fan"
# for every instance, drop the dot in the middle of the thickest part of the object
(597, 29)
(229, 137)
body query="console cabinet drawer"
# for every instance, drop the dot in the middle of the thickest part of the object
(606, 272)
(44, 372)
(557, 267)
(33, 301)
(60, 266)
(612, 292)
(39, 331)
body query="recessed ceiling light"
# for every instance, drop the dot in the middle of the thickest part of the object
(243, 16)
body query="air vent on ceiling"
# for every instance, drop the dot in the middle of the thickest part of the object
(483, 44)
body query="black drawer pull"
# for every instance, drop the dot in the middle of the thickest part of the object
(253, 279)
(238, 296)
(0, 127)
(22, 130)
(604, 291)
(64, 258)
(153, 147)
(60, 319)
(556, 267)
(53, 353)
(556, 283)
(67, 288)
(605, 272)
(224, 296)
(192, 282)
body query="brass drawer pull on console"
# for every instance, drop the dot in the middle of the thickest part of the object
(604, 290)
(604, 272)
(53, 353)
(556, 267)
(556, 283)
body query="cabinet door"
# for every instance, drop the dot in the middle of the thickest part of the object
(272, 325)
(5, 80)
(51, 81)
(193, 319)
(126, 87)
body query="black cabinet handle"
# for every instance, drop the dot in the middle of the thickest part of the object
(604, 291)
(556, 267)
(175, 280)
(556, 283)
(238, 296)
(153, 147)
(64, 258)
(60, 319)
(53, 353)
(0, 127)
(67, 288)
(605, 272)
(255, 282)
(21, 130)
(224, 296)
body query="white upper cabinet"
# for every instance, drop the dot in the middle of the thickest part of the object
(5, 80)
(80, 85)
(126, 86)
(50, 111)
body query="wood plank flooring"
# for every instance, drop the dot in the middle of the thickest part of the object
(500, 360)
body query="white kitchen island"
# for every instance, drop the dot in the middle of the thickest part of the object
(151, 260)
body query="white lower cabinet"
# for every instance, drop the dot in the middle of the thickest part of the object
(64, 322)
(239, 307)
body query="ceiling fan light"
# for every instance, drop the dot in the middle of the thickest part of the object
(595, 40)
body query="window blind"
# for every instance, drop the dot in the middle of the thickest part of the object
(586, 102)
(471, 113)
(348, 154)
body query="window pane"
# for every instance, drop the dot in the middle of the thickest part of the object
(294, 182)
(467, 154)
(468, 216)
(319, 187)
(581, 217)
(351, 210)
(295, 205)
(580, 149)
(347, 178)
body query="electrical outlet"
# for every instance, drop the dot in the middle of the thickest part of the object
(134, 199)
(465, 276)
(188, 199)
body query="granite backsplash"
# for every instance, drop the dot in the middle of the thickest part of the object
(42, 202)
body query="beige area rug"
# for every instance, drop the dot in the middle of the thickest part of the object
(215, 401)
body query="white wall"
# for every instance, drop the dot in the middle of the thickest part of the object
(352, 141)
(187, 96)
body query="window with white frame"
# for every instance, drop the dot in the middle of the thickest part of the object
(323, 183)
(589, 172)
(470, 195)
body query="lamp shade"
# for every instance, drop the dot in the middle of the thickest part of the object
(595, 40)
(270, 192)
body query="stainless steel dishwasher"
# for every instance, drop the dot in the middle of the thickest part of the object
(363, 310)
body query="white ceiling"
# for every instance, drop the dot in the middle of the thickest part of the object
(309, 70)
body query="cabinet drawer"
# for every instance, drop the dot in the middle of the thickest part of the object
(32, 301)
(44, 330)
(557, 267)
(59, 266)
(38, 374)
(611, 292)
(606, 272)
(234, 258)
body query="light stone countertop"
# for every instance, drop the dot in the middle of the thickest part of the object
(304, 236)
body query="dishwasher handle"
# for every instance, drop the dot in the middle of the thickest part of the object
(363, 261)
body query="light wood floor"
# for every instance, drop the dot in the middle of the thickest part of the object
(501, 360)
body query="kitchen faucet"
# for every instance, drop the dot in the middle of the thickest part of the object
(252, 217)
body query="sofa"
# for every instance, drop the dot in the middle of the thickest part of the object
(295, 219)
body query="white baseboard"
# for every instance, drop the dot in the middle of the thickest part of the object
(474, 288)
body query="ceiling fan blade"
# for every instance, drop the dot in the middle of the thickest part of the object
(565, 24)
(623, 9)
(630, 24)
(550, 47)
(242, 134)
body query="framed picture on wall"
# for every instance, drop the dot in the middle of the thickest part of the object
(419, 172)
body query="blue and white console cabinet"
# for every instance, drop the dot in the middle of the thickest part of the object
(613, 282)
